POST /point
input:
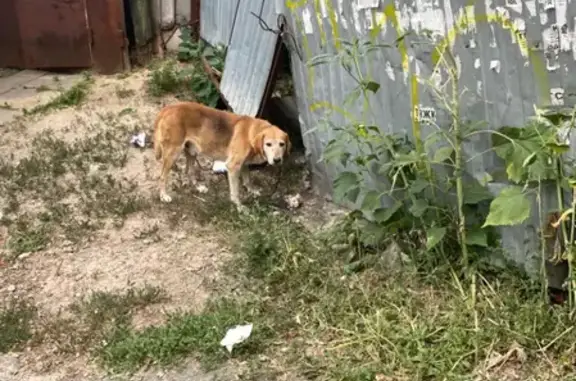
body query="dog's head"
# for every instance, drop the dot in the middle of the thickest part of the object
(273, 144)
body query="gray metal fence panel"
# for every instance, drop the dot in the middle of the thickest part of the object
(217, 20)
(505, 75)
(249, 57)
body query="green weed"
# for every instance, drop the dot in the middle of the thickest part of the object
(97, 317)
(15, 324)
(182, 335)
(74, 96)
(316, 315)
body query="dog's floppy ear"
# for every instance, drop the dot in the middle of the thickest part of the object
(288, 144)
(258, 144)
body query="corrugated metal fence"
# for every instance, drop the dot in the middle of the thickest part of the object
(217, 20)
(512, 55)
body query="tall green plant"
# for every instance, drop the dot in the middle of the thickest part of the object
(420, 208)
(537, 154)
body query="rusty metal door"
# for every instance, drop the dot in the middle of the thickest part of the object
(11, 53)
(54, 33)
(106, 22)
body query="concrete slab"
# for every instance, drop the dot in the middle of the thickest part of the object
(29, 88)
(7, 115)
(19, 79)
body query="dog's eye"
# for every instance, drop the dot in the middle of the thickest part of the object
(268, 144)
(281, 144)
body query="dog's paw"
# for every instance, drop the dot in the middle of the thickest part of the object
(242, 209)
(164, 197)
(202, 188)
(254, 191)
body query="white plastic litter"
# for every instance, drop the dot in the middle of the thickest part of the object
(236, 335)
(219, 167)
(293, 201)
(139, 140)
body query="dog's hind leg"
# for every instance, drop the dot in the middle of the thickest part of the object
(193, 167)
(169, 156)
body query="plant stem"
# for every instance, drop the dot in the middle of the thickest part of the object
(570, 250)
(543, 246)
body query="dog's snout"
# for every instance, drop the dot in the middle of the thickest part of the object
(277, 160)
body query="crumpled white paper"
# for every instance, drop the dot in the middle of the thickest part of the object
(139, 140)
(236, 335)
(219, 167)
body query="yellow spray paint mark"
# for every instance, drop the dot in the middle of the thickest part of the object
(293, 6)
(327, 105)
(380, 18)
(390, 12)
(466, 20)
(319, 19)
(334, 24)
(461, 26)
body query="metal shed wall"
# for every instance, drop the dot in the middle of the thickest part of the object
(249, 58)
(512, 55)
(217, 20)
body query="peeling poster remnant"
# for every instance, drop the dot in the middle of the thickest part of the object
(551, 39)
(424, 115)
(557, 96)
(367, 4)
(515, 5)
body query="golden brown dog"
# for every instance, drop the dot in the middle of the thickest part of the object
(236, 139)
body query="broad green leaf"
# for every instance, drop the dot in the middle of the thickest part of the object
(525, 152)
(477, 237)
(352, 194)
(474, 192)
(511, 207)
(346, 182)
(485, 179)
(371, 201)
(419, 207)
(418, 186)
(443, 154)
(382, 215)
(372, 86)
(406, 159)
(434, 236)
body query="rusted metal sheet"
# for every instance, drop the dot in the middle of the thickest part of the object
(106, 22)
(11, 47)
(54, 33)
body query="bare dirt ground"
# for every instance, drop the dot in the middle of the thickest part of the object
(143, 247)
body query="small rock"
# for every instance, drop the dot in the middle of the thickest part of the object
(11, 288)
(25, 255)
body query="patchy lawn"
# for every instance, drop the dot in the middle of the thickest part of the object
(98, 277)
